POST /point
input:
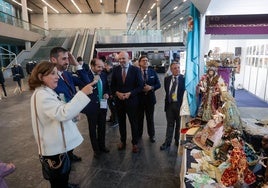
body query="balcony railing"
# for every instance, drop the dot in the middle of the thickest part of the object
(11, 20)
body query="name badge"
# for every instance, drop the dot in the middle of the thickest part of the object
(103, 104)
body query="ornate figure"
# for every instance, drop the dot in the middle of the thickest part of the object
(209, 87)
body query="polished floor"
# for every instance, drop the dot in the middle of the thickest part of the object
(148, 168)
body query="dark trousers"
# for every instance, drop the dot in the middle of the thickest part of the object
(4, 89)
(96, 126)
(111, 104)
(131, 112)
(59, 181)
(173, 120)
(148, 109)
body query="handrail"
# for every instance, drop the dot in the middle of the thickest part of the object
(9, 53)
(93, 44)
(74, 42)
(12, 20)
(85, 43)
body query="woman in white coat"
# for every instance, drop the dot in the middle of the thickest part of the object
(49, 112)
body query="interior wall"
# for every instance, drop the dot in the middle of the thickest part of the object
(63, 21)
(229, 46)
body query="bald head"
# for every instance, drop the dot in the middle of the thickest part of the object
(123, 58)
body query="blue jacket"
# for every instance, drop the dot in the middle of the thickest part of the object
(152, 80)
(69, 90)
(94, 104)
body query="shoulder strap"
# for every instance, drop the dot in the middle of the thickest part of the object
(37, 127)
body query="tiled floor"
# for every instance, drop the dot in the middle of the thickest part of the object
(148, 168)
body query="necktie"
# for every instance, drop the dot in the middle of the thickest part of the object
(172, 90)
(124, 74)
(68, 84)
(144, 76)
(99, 87)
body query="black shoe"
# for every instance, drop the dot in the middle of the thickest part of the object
(121, 146)
(152, 139)
(177, 143)
(73, 185)
(164, 146)
(105, 150)
(75, 158)
(97, 154)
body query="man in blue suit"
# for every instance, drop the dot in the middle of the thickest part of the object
(147, 98)
(174, 86)
(126, 84)
(96, 110)
(67, 82)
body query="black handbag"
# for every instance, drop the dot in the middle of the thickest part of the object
(57, 165)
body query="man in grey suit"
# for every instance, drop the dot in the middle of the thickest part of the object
(174, 86)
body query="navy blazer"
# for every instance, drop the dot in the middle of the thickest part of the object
(133, 83)
(152, 80)
(94, 104)
(180, 90)
(69, 89)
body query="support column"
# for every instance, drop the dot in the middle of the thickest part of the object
(25, 21)
(158, 15)
(45, 17)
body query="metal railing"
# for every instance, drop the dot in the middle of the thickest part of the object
(12, 20)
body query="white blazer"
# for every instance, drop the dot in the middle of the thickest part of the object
(51, 111)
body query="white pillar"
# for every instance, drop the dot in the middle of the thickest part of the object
(26, 21)
(158, 15)
(45, 17)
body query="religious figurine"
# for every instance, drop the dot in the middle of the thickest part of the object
(210, 135)
(209, 87)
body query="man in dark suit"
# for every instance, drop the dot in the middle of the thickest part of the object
(81, 62)
(67, 82)
(96, 110)
(174, 88)
(147, 98)
(126, 84)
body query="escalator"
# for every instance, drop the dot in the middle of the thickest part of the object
(88, 48)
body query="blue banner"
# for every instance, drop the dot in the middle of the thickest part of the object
(192, 59)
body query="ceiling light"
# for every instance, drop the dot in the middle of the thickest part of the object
(181, 18)
(50, 6)
(128, 2)
(148, 11)
(175, 7)
(184, 0)
(152, 6)
(100, 1)
(76, 6)
(21, 5)
(174, 22)
(145, 16)
(164, 28)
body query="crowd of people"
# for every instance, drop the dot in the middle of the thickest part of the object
(126, 90)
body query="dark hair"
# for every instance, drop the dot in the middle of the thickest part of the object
(44, 68)
(54, 52)
(109, 62)
(79, 58)
(141, 57)
(174, 63)
(93, 62)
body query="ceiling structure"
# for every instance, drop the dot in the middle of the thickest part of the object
(141, 14)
